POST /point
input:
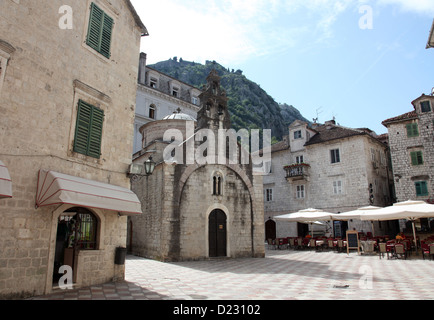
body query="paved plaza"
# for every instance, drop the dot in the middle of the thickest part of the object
(282, 275)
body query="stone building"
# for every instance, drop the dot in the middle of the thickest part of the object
(68, 85)
(159, 95)
(412, 151)
(196, 210)
(328, 167)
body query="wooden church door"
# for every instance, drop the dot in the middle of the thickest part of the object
(217, 234)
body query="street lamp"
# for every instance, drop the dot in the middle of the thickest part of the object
(138, 171)
(149, 166)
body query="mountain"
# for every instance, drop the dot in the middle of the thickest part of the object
(249, 105)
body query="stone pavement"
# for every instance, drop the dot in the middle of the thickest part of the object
(282, 275)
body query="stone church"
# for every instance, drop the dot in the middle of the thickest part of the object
(195, 210)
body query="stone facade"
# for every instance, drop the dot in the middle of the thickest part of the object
(159, 95)
(412, 151)
(50, 69)
(326, 167)
(181, 200)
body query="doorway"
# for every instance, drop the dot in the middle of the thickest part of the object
(76, 230)
(270, 229)
(217, 232)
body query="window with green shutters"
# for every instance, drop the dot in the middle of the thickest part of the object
(416, 158)
(88, 130)
(99, 34)
(425, 106)
(412, 130)
(421, 188)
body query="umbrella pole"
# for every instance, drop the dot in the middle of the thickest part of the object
(414, 235)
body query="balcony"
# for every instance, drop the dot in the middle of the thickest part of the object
(297, 171)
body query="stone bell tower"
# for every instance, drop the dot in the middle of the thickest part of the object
(214, 113)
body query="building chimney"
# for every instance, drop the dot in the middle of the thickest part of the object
(142, 69)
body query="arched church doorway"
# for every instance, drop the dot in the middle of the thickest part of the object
(217, 234)
(270, 229)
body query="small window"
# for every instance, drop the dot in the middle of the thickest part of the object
(421, 189)
(425, 106)
(152, 109)
(416, 158)
(297, 134)
(337, 187)
(299, 159)
(175, 92)
(269, 195)
(194, 100)
(153, 83)
(412, 130)
(99, 35)
(88, 131)
(300, 192)
(335, 156)
(217, 188)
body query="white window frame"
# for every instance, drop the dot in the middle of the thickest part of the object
(299, 159)
(337, 187)
(300, 191)
(333, 151)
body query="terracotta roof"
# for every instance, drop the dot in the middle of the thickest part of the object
(333, 132)
(404, 117)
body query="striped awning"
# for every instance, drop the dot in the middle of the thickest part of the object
(5, 182)
(58, 188)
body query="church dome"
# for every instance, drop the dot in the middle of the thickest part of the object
(179, 116)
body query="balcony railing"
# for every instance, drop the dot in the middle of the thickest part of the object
(297, 171)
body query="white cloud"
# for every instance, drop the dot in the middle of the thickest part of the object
(425, 7)
(230, 31)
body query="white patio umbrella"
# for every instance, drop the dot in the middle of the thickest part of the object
(410, 210)
(309, 216)
(356, 214)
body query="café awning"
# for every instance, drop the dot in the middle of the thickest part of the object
(58, 188)
(5, 182)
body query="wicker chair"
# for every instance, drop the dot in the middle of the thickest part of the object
(382, 250)
(400, 251)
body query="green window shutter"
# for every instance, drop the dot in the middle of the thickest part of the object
(88, 131)
(412, 130)
(100, 31)
(421, 188)
(106, 36)
(416, 158)
(425, 106)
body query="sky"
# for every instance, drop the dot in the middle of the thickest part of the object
(359, 62)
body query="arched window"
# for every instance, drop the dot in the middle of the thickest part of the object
(81, 229)
(217, 185)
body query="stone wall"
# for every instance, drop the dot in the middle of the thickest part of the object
(49, 71)
(406, 174)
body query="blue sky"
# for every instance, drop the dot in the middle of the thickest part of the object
(312, 54)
